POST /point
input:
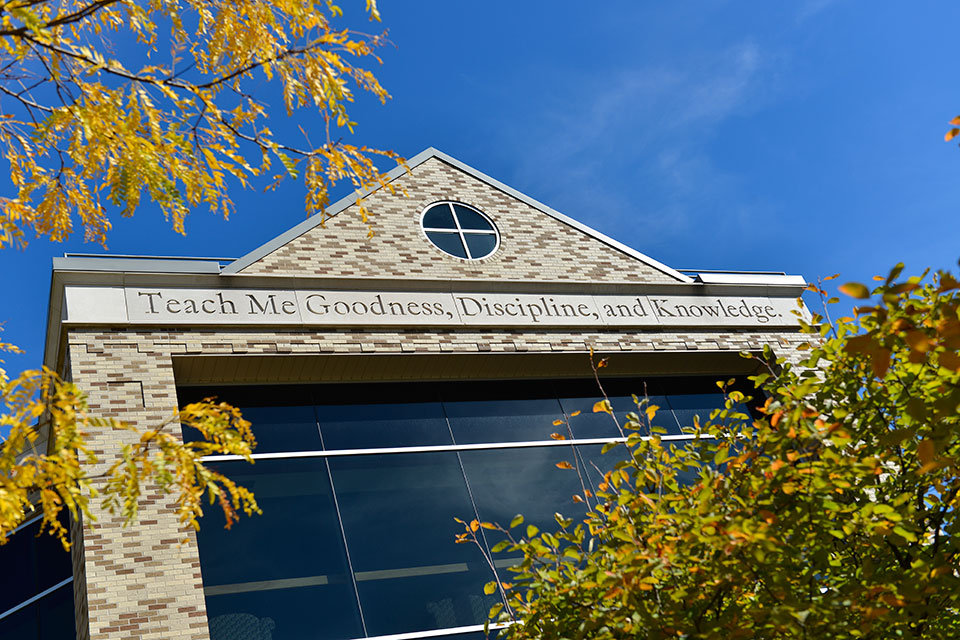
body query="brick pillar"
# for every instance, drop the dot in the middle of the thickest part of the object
(141, 580)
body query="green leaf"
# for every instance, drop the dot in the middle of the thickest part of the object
(517, 521)
(903, 533)
(608, 446)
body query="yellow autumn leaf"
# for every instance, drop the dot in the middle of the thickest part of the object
(602, 406)
(855, 290)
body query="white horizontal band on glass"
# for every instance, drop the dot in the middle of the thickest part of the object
(436, 633)
(444, 447)
(30, 601)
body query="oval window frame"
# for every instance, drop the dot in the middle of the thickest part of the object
(460, 232)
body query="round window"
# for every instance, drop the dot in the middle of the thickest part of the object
(459, 230)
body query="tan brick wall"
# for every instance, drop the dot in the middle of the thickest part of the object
(534, 246)
(139, 581)
(144, 581)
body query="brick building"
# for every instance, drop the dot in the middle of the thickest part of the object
(395, 381)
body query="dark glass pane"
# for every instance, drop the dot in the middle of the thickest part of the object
(282, 417)
(361, 426)
(283, 428)
(597, 463)
(56, 615)
(17, 557)
(687, 405)
(283, 573)
(588, 424)
(448, 242)
(505, 482)
(506, 416)
(398, 514)
(22, 624)
(700, 396)
(481, 244)
(439, 217)
(302, 613)
(53, 562)
(276, 428)
(470, 219)
(38, 561)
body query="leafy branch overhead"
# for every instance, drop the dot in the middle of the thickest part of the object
(831, 512)
(110, 100)
(48, 462)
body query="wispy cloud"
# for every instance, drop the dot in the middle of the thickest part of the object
(648, 127)
(810, 8)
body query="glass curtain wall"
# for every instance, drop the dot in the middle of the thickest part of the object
(360, 485)
(36, 592)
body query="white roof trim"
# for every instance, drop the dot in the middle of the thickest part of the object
(752, 278)
(313, 221)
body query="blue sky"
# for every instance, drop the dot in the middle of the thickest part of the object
(804, 137)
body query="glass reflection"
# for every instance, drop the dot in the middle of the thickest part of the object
(481, 244)
(361, 426)
(504, 482)
(284, 572)
(601, 425)
(398, 516)
(522, 413)
(439, 217)
(470, 219)
(283, 428)
(448, 243)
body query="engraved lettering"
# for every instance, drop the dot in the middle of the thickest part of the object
(150, 296)
(256, 307)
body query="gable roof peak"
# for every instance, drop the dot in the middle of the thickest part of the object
(431, 152)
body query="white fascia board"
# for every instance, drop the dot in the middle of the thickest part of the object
(136, 265)
(752, 278)
(420, 158)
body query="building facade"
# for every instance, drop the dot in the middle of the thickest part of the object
(395, 381)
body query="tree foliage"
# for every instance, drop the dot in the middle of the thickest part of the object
(47, 463)
(109, 100)
(831, 513)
